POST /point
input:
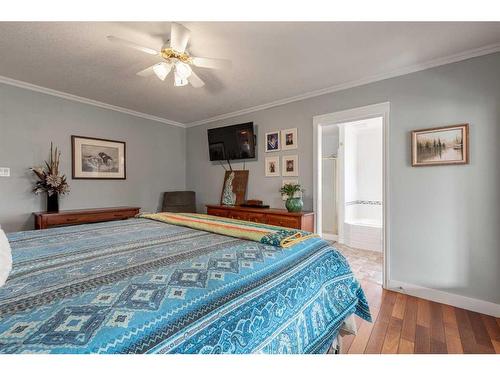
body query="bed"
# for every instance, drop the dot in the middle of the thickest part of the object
(178, 283)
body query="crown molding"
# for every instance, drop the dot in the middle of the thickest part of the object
(485, 50)
(96, 103)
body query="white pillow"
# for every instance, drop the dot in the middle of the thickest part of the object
(5, 258)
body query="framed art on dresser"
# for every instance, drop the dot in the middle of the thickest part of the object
(97, 159)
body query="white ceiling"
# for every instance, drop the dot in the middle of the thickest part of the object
(271, 60)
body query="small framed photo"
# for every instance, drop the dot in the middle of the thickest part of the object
(440, 146)
(273, 141)
(97, 159)
(273, 166)
(289, 140)
(290, 166)
(289, 181)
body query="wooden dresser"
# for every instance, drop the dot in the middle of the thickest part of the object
(45, 220)
(273, 216)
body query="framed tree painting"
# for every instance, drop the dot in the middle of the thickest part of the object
(440, 146)
(97, 159)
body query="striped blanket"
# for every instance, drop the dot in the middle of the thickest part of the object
(145, 286)
(263, 233)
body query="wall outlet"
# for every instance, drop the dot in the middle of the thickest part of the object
(4, 172)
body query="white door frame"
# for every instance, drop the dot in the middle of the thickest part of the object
(355, 114)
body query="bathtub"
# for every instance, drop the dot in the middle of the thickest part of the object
(362, 227)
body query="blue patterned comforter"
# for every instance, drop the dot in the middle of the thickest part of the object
(141, 286)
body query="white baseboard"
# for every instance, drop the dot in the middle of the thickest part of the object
(480, 306)
(329, 236)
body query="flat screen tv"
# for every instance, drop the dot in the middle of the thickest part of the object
(232, 142)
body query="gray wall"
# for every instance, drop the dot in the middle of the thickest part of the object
(444, 220)
(329, 147)
(30, 120)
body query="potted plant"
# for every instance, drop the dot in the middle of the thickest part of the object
(293, 203)
(50, 181)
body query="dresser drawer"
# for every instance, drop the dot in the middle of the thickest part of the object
(284, 221)
(116, 215)
(272, 216)
(69, 219)
(257, 218)
(238, 215)
(45, 220)
(216, 212)
(63, 220)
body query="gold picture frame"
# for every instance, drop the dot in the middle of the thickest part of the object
(445, 145)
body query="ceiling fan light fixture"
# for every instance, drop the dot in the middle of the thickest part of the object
(183, 70)
(179, 81)
(161, 70)
(176, 58)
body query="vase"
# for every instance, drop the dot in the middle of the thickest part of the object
(53, 202)
(294, 204)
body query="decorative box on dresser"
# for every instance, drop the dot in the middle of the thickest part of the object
(273, 216)
(45, 220)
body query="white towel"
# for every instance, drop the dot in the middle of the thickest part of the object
(5, 258)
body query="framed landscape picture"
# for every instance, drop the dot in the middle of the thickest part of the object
(273, 141)
(289, 140)
(96, 158)
(440, 146)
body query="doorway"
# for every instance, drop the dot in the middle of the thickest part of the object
(351, 186)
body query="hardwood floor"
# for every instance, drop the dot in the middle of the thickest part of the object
(406, 324)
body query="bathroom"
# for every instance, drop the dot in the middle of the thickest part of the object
(352, 190)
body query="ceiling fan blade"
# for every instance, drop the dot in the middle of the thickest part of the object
(195, 81)
(179, 37)
(128, 44)
(162, 70)
(205, 62)
(146, 72)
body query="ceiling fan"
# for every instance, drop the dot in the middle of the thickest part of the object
(176, 58)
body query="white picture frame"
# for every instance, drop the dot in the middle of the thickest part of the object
(290, 166)
(289, 139)
(272, 164)
(273, 141)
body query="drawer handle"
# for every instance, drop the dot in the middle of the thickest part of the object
(70, 219)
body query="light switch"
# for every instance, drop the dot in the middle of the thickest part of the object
(4, 172)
